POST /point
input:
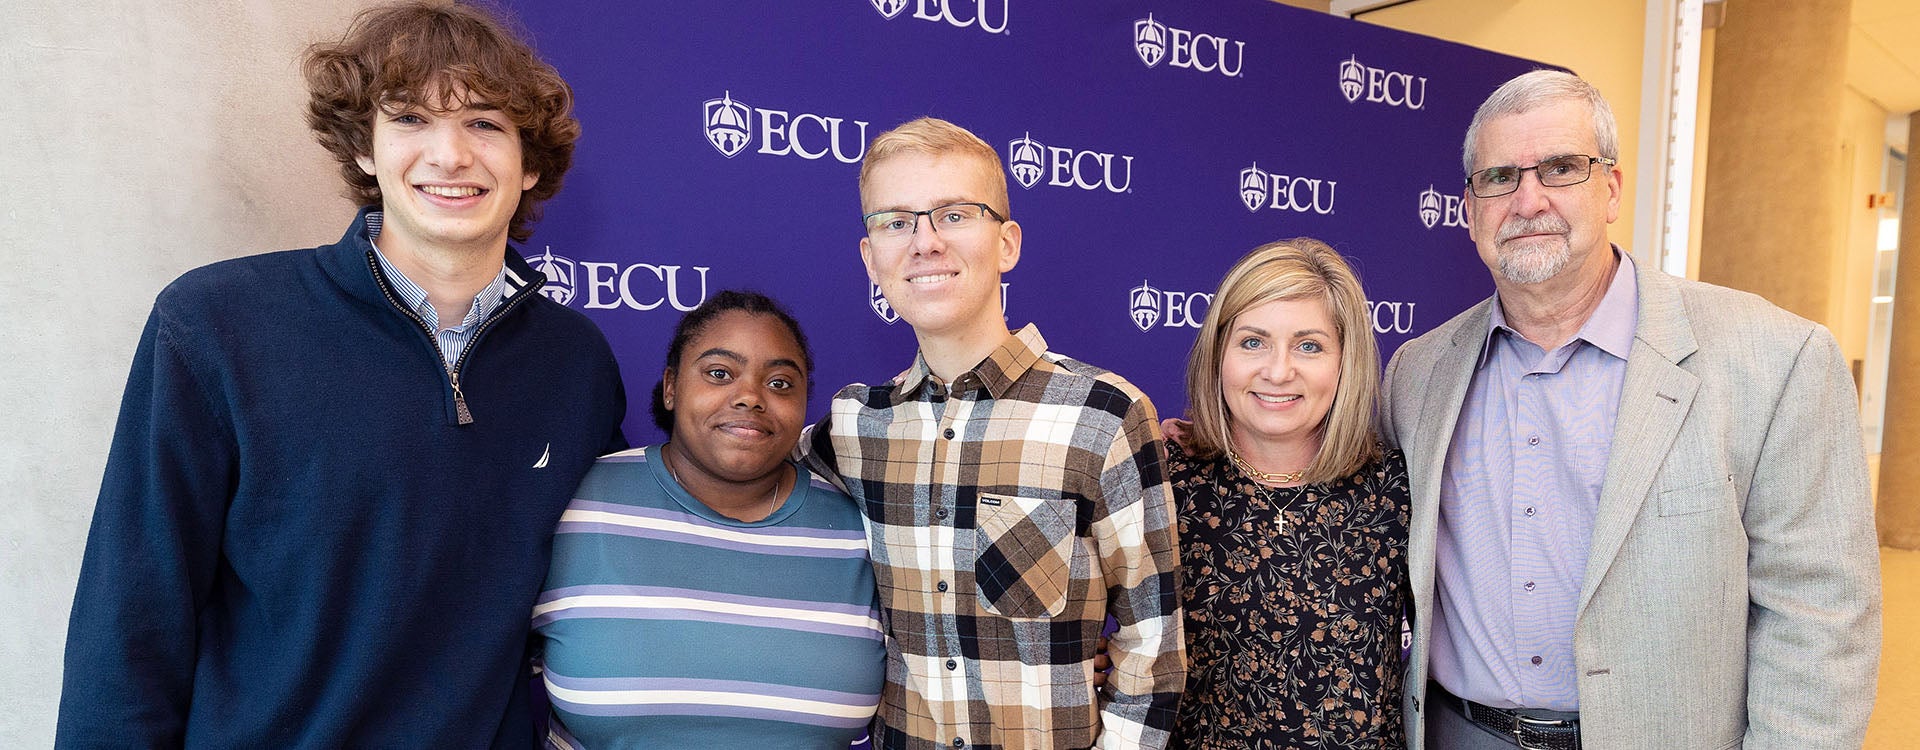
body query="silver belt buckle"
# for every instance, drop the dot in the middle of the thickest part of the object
(1522, 721)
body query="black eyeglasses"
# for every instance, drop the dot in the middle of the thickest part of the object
(1559, 171)
(891, 229)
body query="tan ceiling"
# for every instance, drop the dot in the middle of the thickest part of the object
(1883, 53)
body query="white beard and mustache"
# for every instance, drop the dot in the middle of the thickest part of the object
(1538, 259)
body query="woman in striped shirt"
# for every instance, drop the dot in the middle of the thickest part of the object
(708, 592)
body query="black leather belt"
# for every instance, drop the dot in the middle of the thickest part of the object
(1528, 732)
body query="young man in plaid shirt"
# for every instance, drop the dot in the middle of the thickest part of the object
(1016, 497)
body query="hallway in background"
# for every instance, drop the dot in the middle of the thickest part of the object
(1896, 711)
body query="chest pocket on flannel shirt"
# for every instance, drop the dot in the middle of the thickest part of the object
(1025, 554)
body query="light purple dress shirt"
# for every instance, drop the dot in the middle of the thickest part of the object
(1517, 502)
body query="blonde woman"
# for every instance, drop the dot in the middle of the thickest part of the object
(1292, 515)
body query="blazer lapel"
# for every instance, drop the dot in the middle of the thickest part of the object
(1446, 389)
(1654, 399)
(1442, 390)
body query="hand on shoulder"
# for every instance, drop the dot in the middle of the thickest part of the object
(1176, 429)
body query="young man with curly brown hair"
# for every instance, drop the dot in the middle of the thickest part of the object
(328, 504)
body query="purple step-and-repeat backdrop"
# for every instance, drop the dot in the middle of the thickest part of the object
(1147, 146)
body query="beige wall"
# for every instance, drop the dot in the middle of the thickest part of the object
(1607, 53)
(143, 139)
(1863, 154)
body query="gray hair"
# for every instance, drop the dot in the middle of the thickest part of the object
(1531, 91)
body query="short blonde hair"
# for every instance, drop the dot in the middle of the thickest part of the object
(1299, 268)
(936, 137)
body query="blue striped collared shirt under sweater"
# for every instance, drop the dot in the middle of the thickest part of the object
(452, 339)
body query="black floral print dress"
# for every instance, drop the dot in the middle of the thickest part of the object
(1294, 599)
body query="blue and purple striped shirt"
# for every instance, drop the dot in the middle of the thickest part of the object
(1517, 503)
(665, 624)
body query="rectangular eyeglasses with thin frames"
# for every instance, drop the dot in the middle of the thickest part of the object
(1559, 171)
(891, 229)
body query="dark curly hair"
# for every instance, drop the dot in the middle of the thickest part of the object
(700, 317)
(439, 55)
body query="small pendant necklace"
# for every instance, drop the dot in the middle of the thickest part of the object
(1268, 477)
(773, 495)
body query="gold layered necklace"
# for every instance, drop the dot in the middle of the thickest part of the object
(1267, 477)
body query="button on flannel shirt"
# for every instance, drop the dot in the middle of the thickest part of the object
(1010, 514)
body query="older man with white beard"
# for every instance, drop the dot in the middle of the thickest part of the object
(1640, 509)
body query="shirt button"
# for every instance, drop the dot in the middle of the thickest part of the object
(1536, 661)
(957, 742)
(1531, 440)
(1529, 511)
(949, 434)
(942, 586)
(942, 513)
(1529, 586)
(952, 665)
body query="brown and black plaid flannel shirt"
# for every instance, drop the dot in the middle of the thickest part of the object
(1010, 514)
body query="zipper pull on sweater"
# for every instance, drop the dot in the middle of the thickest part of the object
(459, 399)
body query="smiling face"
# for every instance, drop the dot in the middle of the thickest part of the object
(1279, 371)
(739, 398)
(946, 284)
(449, 180)
(1536, 233)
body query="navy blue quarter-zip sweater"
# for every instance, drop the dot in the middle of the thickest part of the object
(300, 542)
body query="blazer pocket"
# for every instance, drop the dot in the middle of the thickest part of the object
(1024, 554)
(1697, 498)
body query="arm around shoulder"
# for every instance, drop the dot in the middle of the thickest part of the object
(1388, 431)
(1135, 538)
